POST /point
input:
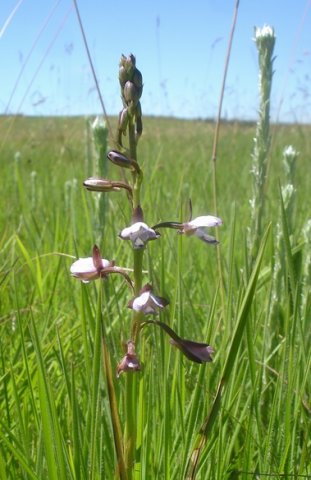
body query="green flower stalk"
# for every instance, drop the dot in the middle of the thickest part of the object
(95, 268)
(265, 40)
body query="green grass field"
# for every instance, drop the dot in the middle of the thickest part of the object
(55, 419)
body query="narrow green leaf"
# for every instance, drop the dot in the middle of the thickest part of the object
(18, 455)
(53, 441)
(229, 363)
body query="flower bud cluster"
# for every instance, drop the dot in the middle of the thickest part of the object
(131, 82)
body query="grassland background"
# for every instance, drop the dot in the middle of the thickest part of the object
(265, 421)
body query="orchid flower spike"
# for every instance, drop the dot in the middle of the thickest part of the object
(147, 302)
(196, 227)
(91, 268)
(129, 362)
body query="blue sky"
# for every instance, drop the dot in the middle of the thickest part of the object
(180, 48)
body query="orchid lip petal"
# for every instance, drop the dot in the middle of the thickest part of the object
(140, 302)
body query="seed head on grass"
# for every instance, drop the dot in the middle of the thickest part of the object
(100, 133)
(265, 41)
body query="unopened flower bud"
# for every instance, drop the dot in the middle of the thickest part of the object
(119, 159)
(100, 185)
(122, 161)
(139, 123)
(131, 93)
(123, 120)
(128, 64)
(103, 185)
(138, 81)
(123, 77)
(139, 127)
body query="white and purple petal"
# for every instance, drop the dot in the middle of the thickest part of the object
(203, 221)
(85, 270)
(139, 233)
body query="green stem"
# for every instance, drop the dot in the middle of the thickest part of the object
(232, 356)
(130, 433)
(117, 431)
(131, 399)
(108, 373)
(215, 146)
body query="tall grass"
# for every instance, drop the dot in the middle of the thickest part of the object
(55, 416)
